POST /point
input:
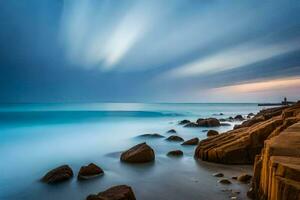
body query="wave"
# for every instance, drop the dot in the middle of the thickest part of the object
(56, 116)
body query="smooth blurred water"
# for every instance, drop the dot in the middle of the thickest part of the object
(37, 137)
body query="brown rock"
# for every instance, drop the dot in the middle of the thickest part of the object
(244, 178)
(218, 174)
(224, 181)
(212, 133)
(58, 174)
(193, 141)
(175, 138)
(175, 153)
(191, 125)
(89, 171)
(140, 153)
(120, 192)
(209, 122)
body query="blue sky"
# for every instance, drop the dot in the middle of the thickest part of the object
(149, 51)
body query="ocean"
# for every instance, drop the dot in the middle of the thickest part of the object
(35, 138)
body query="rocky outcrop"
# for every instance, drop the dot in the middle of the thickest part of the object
(58, 174)
(175, 138)
(140, 153)
(193, 141)
(277, 169)
(175, 153)
(209, 122)
(241, 145)
(89, 171)
(120, 192)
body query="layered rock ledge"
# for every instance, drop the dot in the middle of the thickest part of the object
(241, 145)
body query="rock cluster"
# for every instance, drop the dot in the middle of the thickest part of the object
(241, 145)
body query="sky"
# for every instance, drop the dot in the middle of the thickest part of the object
(149, 51)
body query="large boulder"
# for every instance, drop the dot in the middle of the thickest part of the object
(58, 174)
(120, 192)
(209, 122)
(193, 141)
(175, 138)
(140, 153)
(89, 171)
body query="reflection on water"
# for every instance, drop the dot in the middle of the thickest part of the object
(37, 137)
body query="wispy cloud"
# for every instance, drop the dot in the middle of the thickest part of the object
(239, 56)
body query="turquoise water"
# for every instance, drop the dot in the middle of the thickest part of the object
(37, 137)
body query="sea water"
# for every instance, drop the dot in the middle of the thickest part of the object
(35, 138)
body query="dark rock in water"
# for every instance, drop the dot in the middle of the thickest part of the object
(140, 153)
(58, 174)
(175, 138)
(224, 181)
(239, 118)
(204, 131)
(251, 193)
(151, 135)
(218, 174)
(175, 153)
(120, 192)
(250, 115)
(225, 124)
(234, 177)
(191, 125)
(212, 133)
(171, 131)
(221, 114)
(209, 122)
(230, 119)
(223, 120)
(185, 121)
(89, 171)
(193, 141)
(244, 178)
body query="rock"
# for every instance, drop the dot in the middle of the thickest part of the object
(193, 141)
(204, 131)
(223, 120)
(140, 153)
(224, 181)
(183, 122)
(225, 124)
(209, 122)
(153, 135)
(218, 174)
(212, 133)
(58, 174)
(171, 131)
(239, 118)
(234, 177)
(175, 138)
(250, 115)
(120, 192)
(221, 114)
(175, 153)
(191, 125)
(244, 178)
(277, 169)
(89, 171)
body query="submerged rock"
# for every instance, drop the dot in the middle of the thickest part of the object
(183, 122)
(193, 141)
(140, 153)
(151, 135)
(244, 178)
(225, 124)
(212, 133)
(120, 192)
(171, 131)
(224, 181)
(58, 174)
(209, 122)
(218, 174)
(175, 153)
(175, 138)
(89, 171)
(191, 125)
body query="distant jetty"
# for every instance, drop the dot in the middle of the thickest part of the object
(285, 102)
